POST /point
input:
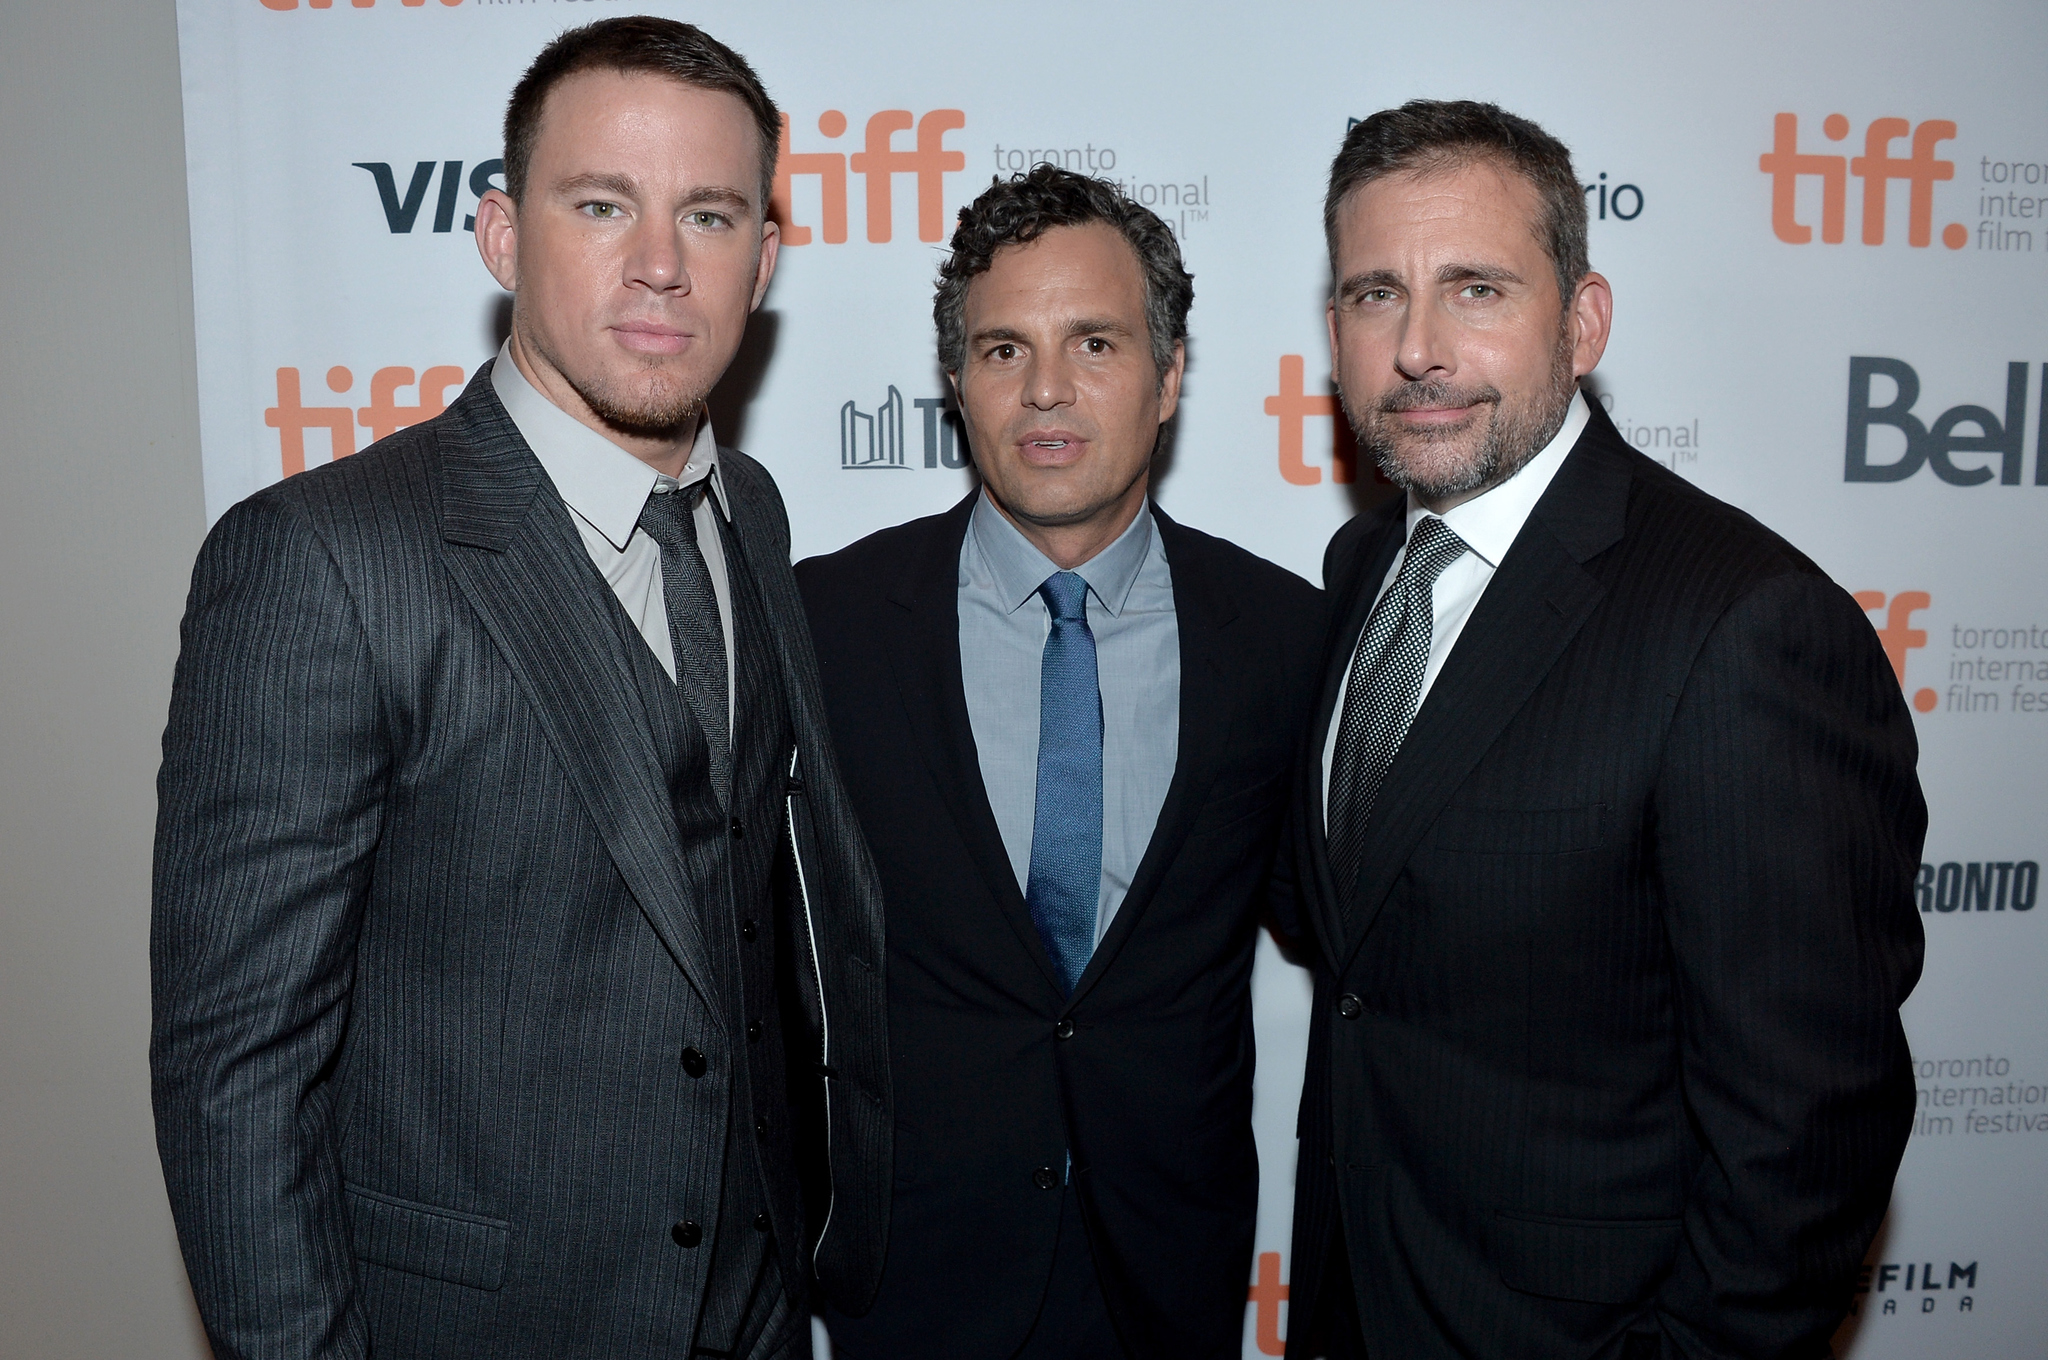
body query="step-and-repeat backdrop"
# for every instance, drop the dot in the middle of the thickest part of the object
(1827, 230)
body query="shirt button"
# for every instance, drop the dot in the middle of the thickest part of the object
(693, 1062)
(761, 1127)
(1045, 1178)
(1350, 1007)
(686, 1234)
(761, 1221)
(738, 830)
(748, 930)
(1063, 1030)
(753, 1030)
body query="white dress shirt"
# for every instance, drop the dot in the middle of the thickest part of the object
(1489, 524)
(605, 488)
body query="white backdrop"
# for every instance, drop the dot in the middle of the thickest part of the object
(1827, 230)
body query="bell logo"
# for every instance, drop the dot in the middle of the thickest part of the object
(1899, 636)
(1786, 164)
(291, 417)
(878, 162)
(1935, 445)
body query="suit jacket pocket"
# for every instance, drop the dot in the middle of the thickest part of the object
(1220, 814)
(1589, 1260)
(422, 1239)
(1518, 831)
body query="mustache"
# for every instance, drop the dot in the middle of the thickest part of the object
(1416, 395)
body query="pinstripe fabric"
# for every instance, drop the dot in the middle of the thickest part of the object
(427, 938)
(1606, 1041)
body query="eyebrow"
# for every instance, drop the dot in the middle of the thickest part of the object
(1450, 273)
(621, 187)
(1009, 335)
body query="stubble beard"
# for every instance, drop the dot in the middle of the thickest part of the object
(649, 415)
(1513, 435)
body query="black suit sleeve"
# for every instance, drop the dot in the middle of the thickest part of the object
(1787, 829)
(270, 805)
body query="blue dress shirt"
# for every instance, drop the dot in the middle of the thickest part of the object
(1003, 627)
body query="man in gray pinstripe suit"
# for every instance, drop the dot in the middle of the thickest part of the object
(499, 831)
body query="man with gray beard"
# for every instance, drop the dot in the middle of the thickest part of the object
(1605, 832)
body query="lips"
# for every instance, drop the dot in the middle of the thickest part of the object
(651, 337)
(1050, 447)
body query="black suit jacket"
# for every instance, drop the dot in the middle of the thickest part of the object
(1146, 1073)
(428, 945)
(1606, 1033)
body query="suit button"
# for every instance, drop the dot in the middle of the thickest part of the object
(686, 1234)
(693, 1062)
(1045, 1178)
(753, 1030)
(1063, 1030)
(761, 1127)
(761, 1221)
(748, 930)
(738, 829)
(1350, 1007)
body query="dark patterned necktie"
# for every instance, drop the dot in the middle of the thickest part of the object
(1065, 881)
(1384, 691)
(694, 629)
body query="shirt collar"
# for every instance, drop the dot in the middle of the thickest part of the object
(1018, 568)
(1490, 521)
(604, 484)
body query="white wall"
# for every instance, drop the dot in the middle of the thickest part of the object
(100, 514)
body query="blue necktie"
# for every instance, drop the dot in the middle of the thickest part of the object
(1066, 825)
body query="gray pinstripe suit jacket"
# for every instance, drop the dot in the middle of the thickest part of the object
(426, 944)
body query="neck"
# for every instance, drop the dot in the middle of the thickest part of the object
(667, 452)
(1070, 545)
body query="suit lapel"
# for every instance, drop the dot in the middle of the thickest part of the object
(1204, 609)
(925, 654)
(1369, 567)
(514, 552)
(1538, 599)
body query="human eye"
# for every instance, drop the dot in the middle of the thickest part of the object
(1002, 353)
(1095, 344)
(708, 218)
(1479, 291)
(601, 210)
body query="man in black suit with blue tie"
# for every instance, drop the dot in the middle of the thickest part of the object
(499, 824)
(1605, 830)
(1065, 722)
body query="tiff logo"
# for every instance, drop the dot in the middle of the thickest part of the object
(1786, 164)
(876, 440)
(878, 162)
(401, 211)
(291, 417)
(1294, 406)
(1899, 636)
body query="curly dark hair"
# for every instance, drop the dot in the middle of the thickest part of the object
(1427, 135)
(1020, 209)
(637, 44)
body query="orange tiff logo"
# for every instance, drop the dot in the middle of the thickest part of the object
(291, 417)
(1899, 636)
(1266, 1295)
(1294, 406)
(1786, 164)
(878, 162)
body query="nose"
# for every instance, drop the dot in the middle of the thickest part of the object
(1049, 381)
(654, 258)
(1425, 343)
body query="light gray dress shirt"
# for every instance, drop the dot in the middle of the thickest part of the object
(605, 488)
(1489, 524)
(1003, 627)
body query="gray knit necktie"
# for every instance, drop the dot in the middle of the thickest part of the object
(1384, 691)
(695, 631)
